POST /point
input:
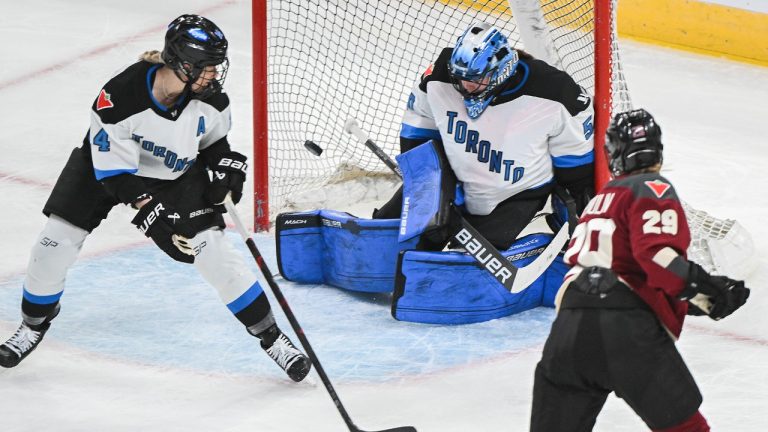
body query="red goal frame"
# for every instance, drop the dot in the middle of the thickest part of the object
(260, 117)
(603, 35)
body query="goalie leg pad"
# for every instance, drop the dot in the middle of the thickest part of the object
(451, 288)
(338, 249)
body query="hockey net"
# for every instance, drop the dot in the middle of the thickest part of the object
(330, 60)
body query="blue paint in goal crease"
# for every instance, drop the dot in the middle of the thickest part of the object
(139, 305)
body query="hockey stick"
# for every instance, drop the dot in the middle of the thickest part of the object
(230, 206)
(513, 278)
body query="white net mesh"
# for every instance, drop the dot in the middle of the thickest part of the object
(330, 60)
(721, 246)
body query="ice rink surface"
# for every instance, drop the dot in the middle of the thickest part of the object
(143, 344)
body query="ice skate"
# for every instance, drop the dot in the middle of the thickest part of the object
(22, 343)
(285, 354)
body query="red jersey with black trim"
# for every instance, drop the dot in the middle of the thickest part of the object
(626, 227)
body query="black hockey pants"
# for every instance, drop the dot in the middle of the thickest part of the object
(609, 340)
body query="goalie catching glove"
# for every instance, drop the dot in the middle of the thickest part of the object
(164, 225)
(714, 296)
(228, 177)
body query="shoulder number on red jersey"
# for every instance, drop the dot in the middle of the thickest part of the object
(658, 222)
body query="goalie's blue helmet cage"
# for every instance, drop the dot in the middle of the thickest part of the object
(633, 142)
(482, 54)
(192, 43)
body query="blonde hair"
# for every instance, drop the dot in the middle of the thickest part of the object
(152, 57)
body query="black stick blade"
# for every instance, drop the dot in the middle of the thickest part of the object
(313, 148)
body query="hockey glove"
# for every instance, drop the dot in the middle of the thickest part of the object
(228, 177)
(582, 197)
(694, 310)
(715, 296)
(563, 210)
(162, 223)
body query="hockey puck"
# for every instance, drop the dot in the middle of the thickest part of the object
(313, 148)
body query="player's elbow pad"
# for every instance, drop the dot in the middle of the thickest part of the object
(126, 188)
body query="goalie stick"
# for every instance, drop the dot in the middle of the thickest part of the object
(513, 278)
(230, 206)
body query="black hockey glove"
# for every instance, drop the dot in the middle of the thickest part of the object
(228, 176)
(563, 210)
(714, 296)
(694, 310)
(160, 221)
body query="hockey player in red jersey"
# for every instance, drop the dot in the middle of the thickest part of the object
(157, 129)
(622, 305)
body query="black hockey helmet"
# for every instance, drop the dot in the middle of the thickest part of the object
(633, 142)
(193, 43)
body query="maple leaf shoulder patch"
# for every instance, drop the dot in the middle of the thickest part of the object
(427, 72)
(104, 101)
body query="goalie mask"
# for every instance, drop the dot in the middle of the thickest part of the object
(481, 61)
(633, 142)
(195, 47)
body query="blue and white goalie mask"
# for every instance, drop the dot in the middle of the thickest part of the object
(481, 61)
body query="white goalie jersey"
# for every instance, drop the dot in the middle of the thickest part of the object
(539, 121)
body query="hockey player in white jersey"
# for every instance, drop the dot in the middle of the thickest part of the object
(512, 127)
(157, 128)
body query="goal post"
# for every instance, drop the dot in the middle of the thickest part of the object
(260, 163)
(605, 33)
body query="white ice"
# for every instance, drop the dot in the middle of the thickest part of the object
(144, 345)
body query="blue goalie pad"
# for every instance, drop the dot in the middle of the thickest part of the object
(338, 249)
(428, 190)
(451, 288)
